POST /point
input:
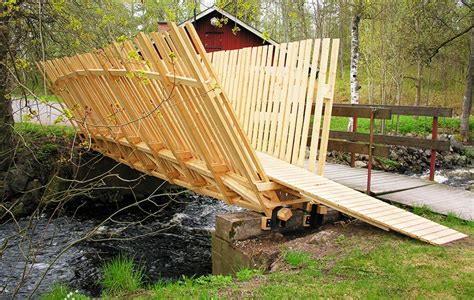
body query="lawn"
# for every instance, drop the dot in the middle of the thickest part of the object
(407, 124)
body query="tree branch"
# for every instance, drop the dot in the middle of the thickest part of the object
(436, 50)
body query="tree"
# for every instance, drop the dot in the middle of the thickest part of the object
(354, 79)
(35, 30)
(467, 99)
(6, 114)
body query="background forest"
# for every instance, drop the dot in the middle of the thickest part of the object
(394, 52)
(409, 52)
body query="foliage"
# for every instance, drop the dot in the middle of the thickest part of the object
(34, 131)
(423, 211)
(120, 276)
(62, 292)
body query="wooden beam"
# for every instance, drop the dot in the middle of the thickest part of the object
(440, 145)
(360, 111)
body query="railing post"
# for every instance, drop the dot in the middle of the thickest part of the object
(371, 143)
(434, 136)
(354, 129)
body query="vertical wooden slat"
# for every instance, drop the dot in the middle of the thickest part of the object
(309, 103)
(318, 105)
(329, 99)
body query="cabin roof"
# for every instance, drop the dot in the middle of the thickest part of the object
(232, 18)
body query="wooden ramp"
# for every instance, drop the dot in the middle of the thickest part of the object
(407, 190)
(357, 204)
(157, 105)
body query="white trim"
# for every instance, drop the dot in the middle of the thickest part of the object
(233, 18)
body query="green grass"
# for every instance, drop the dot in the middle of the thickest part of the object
(61, 292)
(247, 274)
(203, 287)
(298, 259)
(407, 124)
(120, 276)
(383, 266)
(37, 130)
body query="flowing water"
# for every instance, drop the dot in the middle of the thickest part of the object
(459, 177)
(169, 241)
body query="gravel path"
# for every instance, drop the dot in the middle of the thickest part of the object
(41, 113)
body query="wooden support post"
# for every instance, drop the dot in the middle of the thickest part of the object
(434, 137)
(371, 142)
(354, 129)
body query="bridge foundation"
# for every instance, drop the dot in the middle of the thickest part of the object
(228, 256)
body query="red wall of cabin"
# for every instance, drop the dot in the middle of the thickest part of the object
(217, 39)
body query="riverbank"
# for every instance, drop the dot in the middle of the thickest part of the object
(169, 235)
(342, 260)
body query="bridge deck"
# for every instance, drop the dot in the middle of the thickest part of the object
(356, 204)
(407, 190)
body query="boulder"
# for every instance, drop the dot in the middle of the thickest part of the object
(321, 237)
(16, 180)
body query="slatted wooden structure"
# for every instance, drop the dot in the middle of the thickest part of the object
(156, 104)
(273, 89)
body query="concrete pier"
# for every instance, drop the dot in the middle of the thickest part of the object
(234, 227)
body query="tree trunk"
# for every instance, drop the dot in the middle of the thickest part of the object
(467, 100)
(419, 72)
(355, 60)
(6, 114)
(341, 46)
(354, 63)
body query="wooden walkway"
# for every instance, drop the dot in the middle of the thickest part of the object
(410, 191)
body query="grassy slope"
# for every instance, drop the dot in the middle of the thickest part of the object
(360, 262)
(369, 264)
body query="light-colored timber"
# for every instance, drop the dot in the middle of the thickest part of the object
(335, 193)
(156, 104)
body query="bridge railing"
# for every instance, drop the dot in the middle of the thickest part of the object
(374, 144)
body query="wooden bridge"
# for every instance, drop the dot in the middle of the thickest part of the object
(232, 126)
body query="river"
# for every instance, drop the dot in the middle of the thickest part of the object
(169, 241)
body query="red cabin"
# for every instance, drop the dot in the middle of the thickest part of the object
(217, 36)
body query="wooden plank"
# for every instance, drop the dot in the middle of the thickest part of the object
(372, 211)
(360, 111)
(309, 104)
(329, 99)
(319, 101)
(357, 147)
(440, 145)
(363, 111)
